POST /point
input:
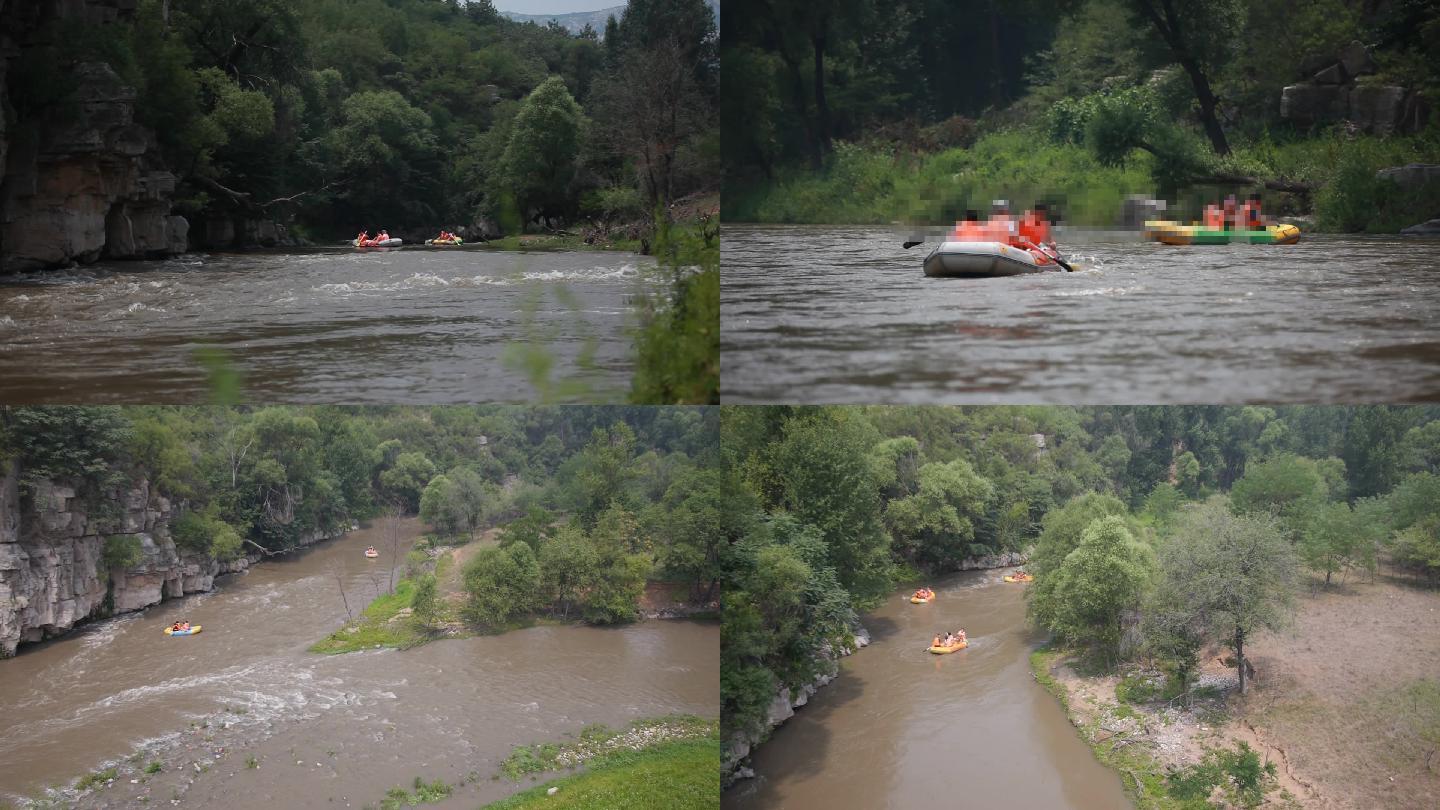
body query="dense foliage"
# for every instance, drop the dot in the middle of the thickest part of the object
(249, 479)
(863, 111)
(346, 114)
(1155, 529)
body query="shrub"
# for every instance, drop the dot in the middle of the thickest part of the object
(121, 551)
(1239, 773)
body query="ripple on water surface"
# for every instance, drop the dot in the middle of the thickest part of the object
(845, 315)
(320, 326)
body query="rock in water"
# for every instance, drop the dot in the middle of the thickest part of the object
(1430, 228)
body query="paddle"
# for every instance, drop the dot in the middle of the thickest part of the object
(909, 245)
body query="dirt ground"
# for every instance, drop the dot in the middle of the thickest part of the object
(450, 585)
(1332, 693)
(1342, 702)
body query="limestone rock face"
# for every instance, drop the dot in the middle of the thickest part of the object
(1308, 104)
(1377, 108)
(52, 549)
(1411, 174)
(83, 181)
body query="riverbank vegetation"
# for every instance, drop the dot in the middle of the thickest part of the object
(845, 117)
(636, 482)
(582, 538)
(671, 775)
(1166, 542)
(333, 116)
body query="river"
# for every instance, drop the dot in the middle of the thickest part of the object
(902, 728)
(323, 729)
(317, 326)
(831, 314)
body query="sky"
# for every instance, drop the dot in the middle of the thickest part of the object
(554, 6)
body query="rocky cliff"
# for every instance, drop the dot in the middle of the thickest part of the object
(52, 574)
(79, 180)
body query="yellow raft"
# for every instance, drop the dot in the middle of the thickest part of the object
(1024, 578)
(1173, 233)
(915, 600)
(947, 650)
(171, 631)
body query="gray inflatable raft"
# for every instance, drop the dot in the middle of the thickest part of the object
(981, 260)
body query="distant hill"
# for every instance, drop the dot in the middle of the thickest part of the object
(575, 22)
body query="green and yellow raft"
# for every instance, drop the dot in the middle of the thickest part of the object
(1173, 233)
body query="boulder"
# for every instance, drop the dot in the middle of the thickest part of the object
(1411, 175)
(1335, 74)
(1307, 104)
(1137, 208)
(1428, 228)
(1376, 108)
(1355, 59)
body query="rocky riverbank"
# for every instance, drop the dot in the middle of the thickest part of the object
(736, 748)
(52, 544)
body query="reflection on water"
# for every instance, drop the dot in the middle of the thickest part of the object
(314, 327)
(361, 722)
(825, 314)
(902, 727)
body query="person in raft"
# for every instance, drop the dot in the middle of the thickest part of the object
(370, 550)
(382, 236)
(935, 642)
(969, 229)
(362, 238)
(180, 627)
(1002, 226)
(1250, 217)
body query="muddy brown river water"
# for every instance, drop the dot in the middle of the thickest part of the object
(830, 314)
(902, 728)
(323, 729)
(318, 326)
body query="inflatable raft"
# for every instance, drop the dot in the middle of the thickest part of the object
(445, 242)
(393, 241)
(984, 260)
(947, 650)
(1173, 233)
(372, 554)
(915, 600)
(171, 631)
(1024, 578)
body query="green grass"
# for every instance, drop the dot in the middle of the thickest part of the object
(597, 743)
(154, 767)
(870, 186)
(683, 775)
(97, 779)
(374, 627)
(425, 793)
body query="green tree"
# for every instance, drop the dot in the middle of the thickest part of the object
(936, 526)
(1098, 584)
(1287, 486)
(435, 506)
(501, 584)
(1231, 574)
(1060, 534)
(545, 140)
(567, 567)
(533, 528)
(1337, 538)
(424, 603)
(405, 481)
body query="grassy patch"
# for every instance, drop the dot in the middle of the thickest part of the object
(868, 185)
(680, 775)
(377, 626)
(97, 779)
(597, 743)
(425, 793)
(154, 767)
